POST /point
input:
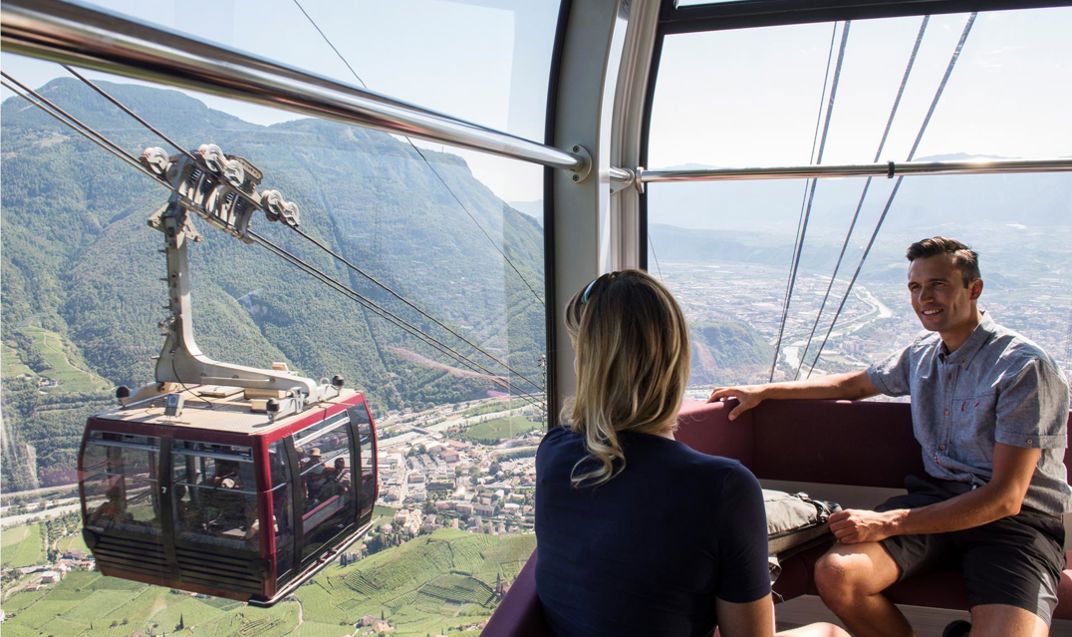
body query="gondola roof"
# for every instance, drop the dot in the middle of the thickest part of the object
(218, 408)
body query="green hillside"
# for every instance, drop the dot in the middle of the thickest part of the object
(435, 583)
(723, 351)
(82, 295)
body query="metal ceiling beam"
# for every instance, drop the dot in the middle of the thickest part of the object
(888, 169)
(744, 14)
(80, 35)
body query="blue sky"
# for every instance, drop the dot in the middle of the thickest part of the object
(727, 98)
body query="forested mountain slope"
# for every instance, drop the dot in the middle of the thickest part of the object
(81, 269)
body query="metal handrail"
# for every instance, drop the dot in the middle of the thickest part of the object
(80, 35)
(888, 169)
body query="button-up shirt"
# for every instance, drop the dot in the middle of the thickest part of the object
(997, 386)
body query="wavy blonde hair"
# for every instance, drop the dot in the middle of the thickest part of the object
(632, 347)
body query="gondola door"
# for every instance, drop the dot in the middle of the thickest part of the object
(326, 497)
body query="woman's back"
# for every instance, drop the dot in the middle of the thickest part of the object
(648, 551)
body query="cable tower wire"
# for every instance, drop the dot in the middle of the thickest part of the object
(431, 167)
(889, 201)
(101, 140)
(863, 196)
(311, 239)
(803, 225)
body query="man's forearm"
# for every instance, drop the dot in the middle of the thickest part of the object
(849, 386)
(968, 510)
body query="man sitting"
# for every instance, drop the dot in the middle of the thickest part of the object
(990, 410)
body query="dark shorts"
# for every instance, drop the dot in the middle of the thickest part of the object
(1015, 560)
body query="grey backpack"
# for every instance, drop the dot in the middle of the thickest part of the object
(795, 522)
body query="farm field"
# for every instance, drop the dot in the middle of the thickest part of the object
(493, 431)
(72, 542)
(430, 584)
(70, 377)
(10, 365)
(22, 546)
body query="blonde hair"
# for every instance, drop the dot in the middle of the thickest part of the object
(632, 347)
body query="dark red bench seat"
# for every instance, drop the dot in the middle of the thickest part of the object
(858, 443)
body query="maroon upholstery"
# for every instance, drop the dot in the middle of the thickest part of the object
(836, 442)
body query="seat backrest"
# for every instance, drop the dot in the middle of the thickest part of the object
(864, 443)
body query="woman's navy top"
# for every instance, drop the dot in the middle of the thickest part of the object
(648, 552)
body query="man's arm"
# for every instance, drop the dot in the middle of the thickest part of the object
(1001, 497)
(848, 386)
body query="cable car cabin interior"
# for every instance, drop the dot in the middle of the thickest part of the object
(207, 487)
(180, 497)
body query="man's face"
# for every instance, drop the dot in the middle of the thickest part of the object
(939, 297)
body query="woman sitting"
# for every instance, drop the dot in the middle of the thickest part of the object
(637, 533)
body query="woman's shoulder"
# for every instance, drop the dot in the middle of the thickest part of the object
(560, 440)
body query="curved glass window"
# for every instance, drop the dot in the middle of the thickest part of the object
(214, 494)
(761, 97)
(324, 462)
(120, 482)
(432, 303)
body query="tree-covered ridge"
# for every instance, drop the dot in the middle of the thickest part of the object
(79, 262)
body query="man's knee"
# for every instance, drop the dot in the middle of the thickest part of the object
(837, 576)
(847, 572)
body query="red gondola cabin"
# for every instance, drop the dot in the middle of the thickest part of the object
(179, 490)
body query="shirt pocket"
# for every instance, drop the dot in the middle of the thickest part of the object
(972, 438)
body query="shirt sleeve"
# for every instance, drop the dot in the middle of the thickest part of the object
(742, 539)
(891, 375)
(1032, 409)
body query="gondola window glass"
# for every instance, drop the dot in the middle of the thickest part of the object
(762, 96)
(367, 457)
(325, 462)
(435, 307)
(120, 482)
(282, 508)
(214, 494)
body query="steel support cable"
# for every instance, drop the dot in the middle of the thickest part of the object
(410, 304)
(129, 111)
(803, 200)
(502, 253)
(889, 201)
(803, 225)
(72, 122)
(804, 195)
(435, 172)
(350, 293)
(863, 196)
(365, 301)
(651, 245)
(381, 312)
(58, 113)
(306, 236)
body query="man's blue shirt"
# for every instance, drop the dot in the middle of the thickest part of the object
(997, 386)
(648, 552)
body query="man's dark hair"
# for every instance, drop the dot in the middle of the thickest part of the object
(964, 258)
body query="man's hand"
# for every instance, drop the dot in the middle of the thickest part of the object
(851, 526)
(850, 385)
(747, 395)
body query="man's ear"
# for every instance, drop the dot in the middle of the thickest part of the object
(976, 289)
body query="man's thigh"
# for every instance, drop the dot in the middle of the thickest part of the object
(1016, 561)
(914, 554)
(1000, 620)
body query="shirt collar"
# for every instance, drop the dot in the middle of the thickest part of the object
(969, 348)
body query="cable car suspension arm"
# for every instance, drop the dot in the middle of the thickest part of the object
(207, 185)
